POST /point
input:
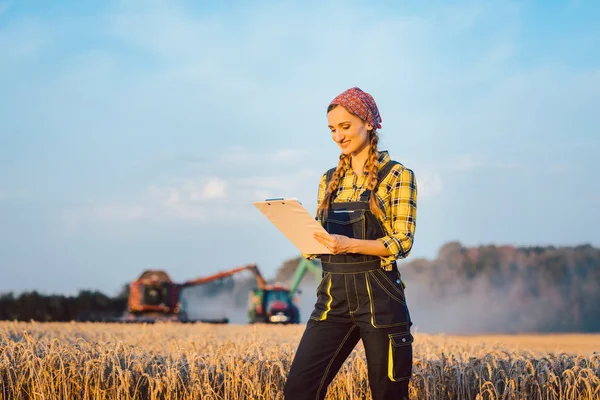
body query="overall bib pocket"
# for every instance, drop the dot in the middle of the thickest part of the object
(349, 223)
(400, 356)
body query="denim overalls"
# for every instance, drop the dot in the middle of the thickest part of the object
(356, 299)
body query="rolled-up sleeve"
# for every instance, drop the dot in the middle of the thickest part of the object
(402, 213)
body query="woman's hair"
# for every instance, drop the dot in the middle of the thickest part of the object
(371, 165)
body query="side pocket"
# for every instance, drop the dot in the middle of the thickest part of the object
(400, 356)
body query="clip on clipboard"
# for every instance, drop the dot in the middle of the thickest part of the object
(295, 222)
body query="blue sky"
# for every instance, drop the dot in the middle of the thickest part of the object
(136, 134)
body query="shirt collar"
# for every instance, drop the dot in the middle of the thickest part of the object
(384, 157)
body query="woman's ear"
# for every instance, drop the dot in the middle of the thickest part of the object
(369, 128)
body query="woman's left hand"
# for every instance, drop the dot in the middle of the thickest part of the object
(338, 244)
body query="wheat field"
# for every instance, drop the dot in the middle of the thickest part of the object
(203, 361)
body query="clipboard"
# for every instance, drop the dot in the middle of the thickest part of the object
(295, 222)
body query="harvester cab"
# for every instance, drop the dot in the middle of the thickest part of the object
(153, 295)
(272, 304)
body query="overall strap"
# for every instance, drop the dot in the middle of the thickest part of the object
(328, 176)
(383, 172)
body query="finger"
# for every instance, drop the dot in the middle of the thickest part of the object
(321, 235)
(321, 238)
(324, 242)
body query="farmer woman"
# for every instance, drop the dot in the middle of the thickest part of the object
(367, 204)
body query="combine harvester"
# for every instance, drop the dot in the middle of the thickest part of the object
(155, 297)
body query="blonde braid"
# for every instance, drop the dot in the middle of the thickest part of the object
(343, 164)
(372, 166)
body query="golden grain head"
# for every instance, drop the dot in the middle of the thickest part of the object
(191, 361)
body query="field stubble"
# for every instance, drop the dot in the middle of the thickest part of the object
(193, 361)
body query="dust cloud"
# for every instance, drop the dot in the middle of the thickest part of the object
(231, 302)
(476, 307)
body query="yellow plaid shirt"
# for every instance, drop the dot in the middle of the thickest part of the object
(397, 192)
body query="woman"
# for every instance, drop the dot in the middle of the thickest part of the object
(367, 204)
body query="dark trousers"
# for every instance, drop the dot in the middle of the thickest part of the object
(326, 344)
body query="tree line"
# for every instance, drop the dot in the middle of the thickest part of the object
(537, 289)
(87, 305)
(541, 289)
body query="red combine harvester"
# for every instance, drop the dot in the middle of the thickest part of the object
(155, 297)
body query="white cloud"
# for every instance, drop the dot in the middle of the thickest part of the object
(215, 188)
(228, 200)
(205, 198)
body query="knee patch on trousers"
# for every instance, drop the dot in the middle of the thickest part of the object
(400, 356)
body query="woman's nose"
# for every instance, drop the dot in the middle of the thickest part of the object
(338, 137)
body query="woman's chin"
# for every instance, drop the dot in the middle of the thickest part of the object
(346, 151)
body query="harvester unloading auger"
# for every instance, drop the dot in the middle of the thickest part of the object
(155, 297)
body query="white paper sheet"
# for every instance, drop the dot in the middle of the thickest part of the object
(295, 222)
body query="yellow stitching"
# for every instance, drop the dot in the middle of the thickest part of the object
(322, 280)
(370, 301)
(342, 222)
(333, 359)
(356, 262)
(373, 311)
(393, 345)
(364, 229)
(347, 297)
(387, 291)
(356, 293)
(348, 273)
(392, 283)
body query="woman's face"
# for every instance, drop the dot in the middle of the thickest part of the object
(348, 131)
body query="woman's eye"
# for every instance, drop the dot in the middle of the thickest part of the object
(346, 127)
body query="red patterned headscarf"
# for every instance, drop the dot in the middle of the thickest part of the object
(361, 104)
